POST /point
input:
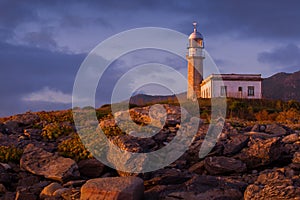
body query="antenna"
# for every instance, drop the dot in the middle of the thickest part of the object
(195, 26)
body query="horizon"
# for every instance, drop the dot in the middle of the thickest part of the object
(43, 44)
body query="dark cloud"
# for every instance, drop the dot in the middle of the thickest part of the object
(288, 55)
(267, 19)
(12, 13)
(33, 34)
(28, 69)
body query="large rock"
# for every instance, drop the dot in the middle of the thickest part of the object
(212, 187)
(168, 177)
(118, 188)
(261, 152)
(51, 166)
(128, 160)
(235, 144)
(274, 184)
(275, 129)
(222, 165)
(91, 168)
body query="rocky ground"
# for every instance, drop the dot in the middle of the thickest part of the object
(258, 161)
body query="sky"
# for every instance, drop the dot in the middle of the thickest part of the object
(44, 43)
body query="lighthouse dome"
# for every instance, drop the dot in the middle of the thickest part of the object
(196, 35)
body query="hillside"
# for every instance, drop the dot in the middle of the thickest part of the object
(42, 157)
(283, 86)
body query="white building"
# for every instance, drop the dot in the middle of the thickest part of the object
(246, 86)
(216, 85)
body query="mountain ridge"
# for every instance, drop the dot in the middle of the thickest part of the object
(282, 86)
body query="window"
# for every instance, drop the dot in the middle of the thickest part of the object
(223, 90)
(240, 89)
(250, 90)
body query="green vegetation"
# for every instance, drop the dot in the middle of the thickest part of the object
(10, 153)
(56, 129)
(73, 148)
(112, 131)
(56, 116)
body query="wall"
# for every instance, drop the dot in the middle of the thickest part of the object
(232, 89)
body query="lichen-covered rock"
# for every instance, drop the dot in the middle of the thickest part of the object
(261, 152)
(274, 184)
(119, 188)
(51, 166)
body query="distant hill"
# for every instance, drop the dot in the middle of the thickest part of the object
(144, 99)
(283, 86)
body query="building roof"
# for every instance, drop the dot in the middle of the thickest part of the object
(233, 77)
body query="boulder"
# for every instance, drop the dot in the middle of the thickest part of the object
(40, 162)
(168, 177)
(275, 129)
(207, 184)
(222, 165)
(119, 188)
(235, 144)
(261, 152)
(91, 168)
(127, 160)
(273, 184)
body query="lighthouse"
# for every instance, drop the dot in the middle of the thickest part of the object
(195, 57)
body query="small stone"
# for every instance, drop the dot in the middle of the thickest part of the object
(5, 166)
(59, 192)
(75, 183)
(49, 190)
(291, 138)
(262, 128)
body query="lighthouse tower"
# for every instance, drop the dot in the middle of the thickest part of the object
(195, 58)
